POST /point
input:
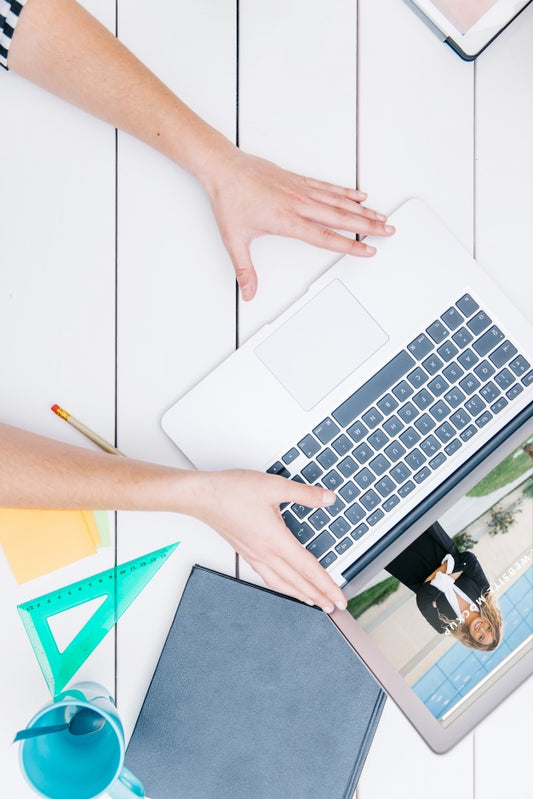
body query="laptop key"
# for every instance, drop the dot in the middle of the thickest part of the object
(468, 432)
(425, 424)
(369, 499)
(327, 458)
(390, 503)
(514, 391)
(387, 405)
(452, 447)
(337, 507)
(309, 445)
(339, 527)
(311, 472)
(527, 379)
(326, 430)
(479, 323)
(345, 544)
(504, 379)
(278, 468)
(452, 318)
(469, 384)
(347, 466)
(489, 391)
(421, 475)
(519, 366)
(499, 405)
(422, 400)
(379, 465)
(378, 439)
(342, 445)
(438, 386)
(321, 544)
(392, 426)
(462, 337)
(300, 510)
(488, 341)
(402, 391)
(447, 351)
(290, 456)
(355, 513)
(467, 305)
(420, 346)
(468, 359)
(409, 437)
(484, 370)
(437, 461)
(439, 411)
(415, 459)
(385, 486)
(408, 412)
(318, 519)
(357, 432)
(453, 372)
(417, 377)
(504, 353)
(474, 405)
(430, 445)
(359, 531)
(328, 559)
(437, 331)
(372, 390)
(460, 419)
(349, 491)
(432, 364)
(482, 420)
(363, 453)
(372, 418)
(445, 432)
(332, 480)
(395, 451)
(400, 473)
(375, 517)
(300, 530)
(406, 488)
(454, 397)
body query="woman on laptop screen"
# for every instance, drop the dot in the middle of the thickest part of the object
(452, 591)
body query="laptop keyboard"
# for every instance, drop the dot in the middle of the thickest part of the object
(401, 426)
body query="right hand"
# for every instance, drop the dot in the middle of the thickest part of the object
(244, 507)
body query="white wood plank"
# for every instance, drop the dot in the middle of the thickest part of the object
(57, 336)
(415, 138)
(399, 761)
(297, 107)
(504, 209)
(176, 306)
(415, 129)
(503, 749)
(504, 160)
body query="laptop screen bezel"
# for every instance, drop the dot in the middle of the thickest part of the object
(440, 738)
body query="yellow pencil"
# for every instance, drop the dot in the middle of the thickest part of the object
(84, 430)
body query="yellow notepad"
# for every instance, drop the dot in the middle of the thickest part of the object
(37, 542)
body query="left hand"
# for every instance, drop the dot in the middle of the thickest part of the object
(251, 197)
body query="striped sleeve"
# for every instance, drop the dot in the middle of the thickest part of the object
(9, 14)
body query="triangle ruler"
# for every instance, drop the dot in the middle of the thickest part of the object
(116, 588)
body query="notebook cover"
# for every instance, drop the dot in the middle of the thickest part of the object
(254, 695)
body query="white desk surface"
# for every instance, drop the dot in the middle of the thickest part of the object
(116, 294)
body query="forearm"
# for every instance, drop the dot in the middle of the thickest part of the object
(62, 48)
(38, 472)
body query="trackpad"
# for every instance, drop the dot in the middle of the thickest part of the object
(318, 347)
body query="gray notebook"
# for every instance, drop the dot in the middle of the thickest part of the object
(254, 695)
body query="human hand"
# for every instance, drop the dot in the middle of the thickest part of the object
(244, 507)
(252, 197)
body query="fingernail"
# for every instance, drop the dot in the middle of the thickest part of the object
(362, 194)
(246, 292)
(328, 497)
(370, 250)
(381, 217)
(341, 605)
(328, 608)
(389, 228)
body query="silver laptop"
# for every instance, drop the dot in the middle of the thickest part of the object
(394, 383)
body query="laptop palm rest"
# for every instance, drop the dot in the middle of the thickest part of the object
(334, 327)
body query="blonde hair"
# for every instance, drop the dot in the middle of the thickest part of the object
(491, 612)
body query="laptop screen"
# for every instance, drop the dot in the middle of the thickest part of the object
(454, 610)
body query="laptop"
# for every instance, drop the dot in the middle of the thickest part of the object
(402, 387)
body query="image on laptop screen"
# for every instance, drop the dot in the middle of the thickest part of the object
(464, 14)
(454, 611)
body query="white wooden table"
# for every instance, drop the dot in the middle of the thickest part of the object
(116, 294)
